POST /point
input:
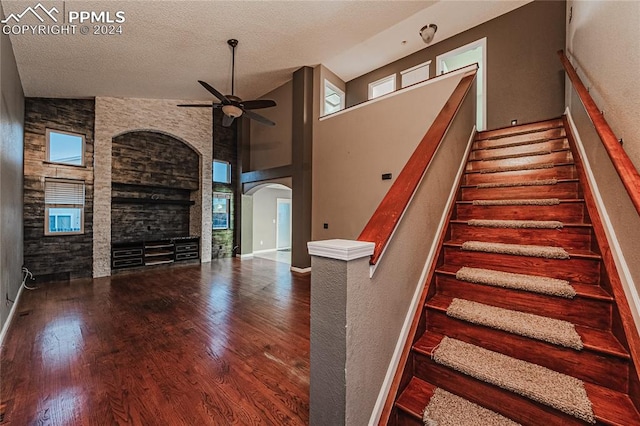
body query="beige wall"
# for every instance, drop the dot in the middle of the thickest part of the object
(524, 77)
(11, 175)
(264, 217)
(603, 42)
(352, 149)
(271, 146)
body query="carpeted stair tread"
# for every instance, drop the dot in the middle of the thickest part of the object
(531, 283)
(541, 182)
(521, 143)
(558, 332)
(514, 168)
(573, 253)
(518, 155)
(518, 202)
(548, 252)
(593, 339)
(582, 290)
(557, 390)
(564, 225)
(516, 224)
(447, 409)
(610, 407)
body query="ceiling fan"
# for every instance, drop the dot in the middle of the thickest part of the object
(232, 106)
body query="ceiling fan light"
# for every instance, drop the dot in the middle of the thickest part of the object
(232, 111)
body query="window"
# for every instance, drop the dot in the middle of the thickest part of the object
(64, 207)
(65, 148)
(220, 208)
(382, 86)
(415, 74)
(221, 171)
(333, 98)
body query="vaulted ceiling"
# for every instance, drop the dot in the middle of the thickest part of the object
(165, 46)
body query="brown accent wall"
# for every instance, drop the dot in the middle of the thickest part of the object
(56, 257)
(524, 77)
(271, 146)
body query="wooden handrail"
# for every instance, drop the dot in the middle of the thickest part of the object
(621, 161)
(387, 216)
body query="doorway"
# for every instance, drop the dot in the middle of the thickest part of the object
(283, 224)
(475, 52)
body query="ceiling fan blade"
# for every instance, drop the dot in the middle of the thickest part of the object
(260, 119)
(196, 105)
(258, 104)
(227, 121)
(214, 92)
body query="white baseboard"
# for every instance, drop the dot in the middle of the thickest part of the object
(265, 251)
(12, 312)
(301, 270)
(246, 256)
(404, 333)
(616, 251)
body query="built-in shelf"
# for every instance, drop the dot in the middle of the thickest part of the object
(133, 200)
(148, 253)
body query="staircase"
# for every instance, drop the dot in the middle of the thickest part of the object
(519, 324)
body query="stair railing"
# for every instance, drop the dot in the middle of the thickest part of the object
(387, 216)
(621, 162)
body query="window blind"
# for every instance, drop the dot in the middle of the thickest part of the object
(64, 192)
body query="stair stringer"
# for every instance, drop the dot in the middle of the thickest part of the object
(624, 327)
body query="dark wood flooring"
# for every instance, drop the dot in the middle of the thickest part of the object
(222, 343)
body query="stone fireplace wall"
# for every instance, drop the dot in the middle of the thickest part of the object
(117, 116)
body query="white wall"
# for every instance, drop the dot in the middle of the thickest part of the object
(603, 42)
(11, 175)
(264, 217)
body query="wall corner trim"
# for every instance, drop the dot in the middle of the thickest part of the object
(340, 249)
(7, 324)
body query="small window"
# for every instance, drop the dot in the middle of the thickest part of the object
(382, 86)
(333, 98)
(64, 207)
(221, 171)
(415, 74)
(65, 148)
(220, 208)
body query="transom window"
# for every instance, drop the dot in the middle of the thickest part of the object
(333, 98)
(415, 74)
(64, 207)
(221, 171)
(220, 209)
(382, 86)
(65, 148)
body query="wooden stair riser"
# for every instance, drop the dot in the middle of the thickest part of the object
(563, 360)
(561, 190)
(554, 133)
(530, 160)
(557, 172)
(567, 237)
(520, 129)
(574, 270)
(509, 404)
(546, 145)
(565, 212)
(580, 311)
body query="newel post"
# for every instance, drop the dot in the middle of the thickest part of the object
(336, 266)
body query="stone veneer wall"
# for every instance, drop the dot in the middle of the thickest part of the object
(115, 116)
(58, 257)
(225, 149)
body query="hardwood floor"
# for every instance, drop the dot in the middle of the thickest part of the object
(214, 344)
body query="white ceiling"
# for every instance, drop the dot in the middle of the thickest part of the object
(167, 45)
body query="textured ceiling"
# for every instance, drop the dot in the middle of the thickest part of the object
(167, 45)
